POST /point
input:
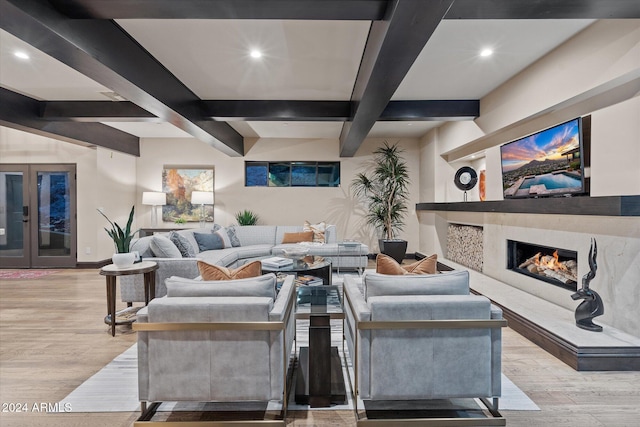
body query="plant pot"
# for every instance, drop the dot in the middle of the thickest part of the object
(395, 248)
(123, 260)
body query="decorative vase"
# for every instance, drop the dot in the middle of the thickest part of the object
(123, 260)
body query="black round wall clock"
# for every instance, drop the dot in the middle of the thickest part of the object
(466, 178)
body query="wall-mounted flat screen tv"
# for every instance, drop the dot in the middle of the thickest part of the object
(545, 164)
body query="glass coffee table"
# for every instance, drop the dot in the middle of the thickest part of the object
(319, 380)
(315, 266)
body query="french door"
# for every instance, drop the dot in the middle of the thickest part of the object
(38, 215)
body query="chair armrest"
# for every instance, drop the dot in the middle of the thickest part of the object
(283, 300)
(354, 300)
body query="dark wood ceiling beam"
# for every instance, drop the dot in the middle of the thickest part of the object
(267, 110)
(95, 111)
(21, 112)
(391, 49)
(369, 10)
(544, 9)
(104, 52)
(440, 110)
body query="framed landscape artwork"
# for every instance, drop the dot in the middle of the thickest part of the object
(178, 182)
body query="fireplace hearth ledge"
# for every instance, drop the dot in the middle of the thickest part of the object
(553, 328)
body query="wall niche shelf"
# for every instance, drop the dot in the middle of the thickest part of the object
(600, 206)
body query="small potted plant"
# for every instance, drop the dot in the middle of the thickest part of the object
(247, 217)
(122, 241)
(384, 190)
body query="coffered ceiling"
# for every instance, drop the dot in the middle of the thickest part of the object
(110, 72)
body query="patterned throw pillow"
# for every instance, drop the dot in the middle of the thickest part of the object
(303, 236)
(215, 272)
(231, 231)
(183, 245)
(387, 265)
(318, 230)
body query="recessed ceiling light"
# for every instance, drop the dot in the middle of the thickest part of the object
(20, 54)
(255, 53)
(409, 124)
(486, 52)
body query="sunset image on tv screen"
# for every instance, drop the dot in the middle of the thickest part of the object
(543, 164)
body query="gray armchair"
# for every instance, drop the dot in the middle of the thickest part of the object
(224, 341)
(423, 338)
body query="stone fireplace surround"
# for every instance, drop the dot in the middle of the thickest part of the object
(551, 308)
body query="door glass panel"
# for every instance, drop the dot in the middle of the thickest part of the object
(11, 225)
(54, 214)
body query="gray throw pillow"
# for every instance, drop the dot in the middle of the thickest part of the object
(208, 241)
(162, 247)
(261, 286)
(231, 231)
(182, 243)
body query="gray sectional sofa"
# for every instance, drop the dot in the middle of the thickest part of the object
(245, 244)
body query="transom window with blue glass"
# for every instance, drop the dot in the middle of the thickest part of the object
(292, 174)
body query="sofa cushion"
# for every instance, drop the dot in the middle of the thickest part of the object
(318, 230)
(224, 257)
(387, 265)
(209, 241)
(256, 235)
(162, 247)
(183, 244)
(302, 236)
(222, 232)
(216, 272)
(447, 283)
(143, 246)
(261, 286)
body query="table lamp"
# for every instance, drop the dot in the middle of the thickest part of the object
(154, 199)
(202, 198)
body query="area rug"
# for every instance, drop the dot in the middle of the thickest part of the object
(25, 274)
(115, 388)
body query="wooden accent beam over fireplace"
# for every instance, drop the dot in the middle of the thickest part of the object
(601, 206)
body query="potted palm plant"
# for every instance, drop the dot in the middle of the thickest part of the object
(121, 241)
(384, 190)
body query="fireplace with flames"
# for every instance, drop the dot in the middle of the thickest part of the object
(552, 265)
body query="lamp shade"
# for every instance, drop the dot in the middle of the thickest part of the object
(202, 197)
(154, 198)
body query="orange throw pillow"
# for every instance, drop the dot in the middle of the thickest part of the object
(215, 272)
(427, 265)
(387, 265)
(303, 236)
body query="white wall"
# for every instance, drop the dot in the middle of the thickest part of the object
(105, 179)
(602, 52)
(284, 206)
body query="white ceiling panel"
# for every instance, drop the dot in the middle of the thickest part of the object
(450, 65)
(42, 77)
(401, 129)
(297, 129)
(150, 130)
(302, 60)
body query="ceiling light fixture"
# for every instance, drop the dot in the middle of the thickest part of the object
(255, 53)
(486, 52)
(20, 54)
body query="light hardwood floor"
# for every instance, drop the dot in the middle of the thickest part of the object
(52, 338)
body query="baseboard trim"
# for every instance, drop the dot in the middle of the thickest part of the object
(93, 264)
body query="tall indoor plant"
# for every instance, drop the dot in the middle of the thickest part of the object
(384, 189)
(121, 241)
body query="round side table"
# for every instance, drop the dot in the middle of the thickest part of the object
(110, 271)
